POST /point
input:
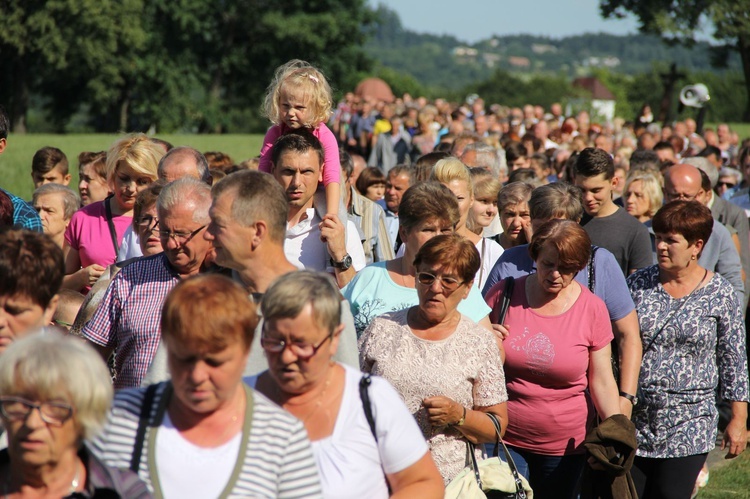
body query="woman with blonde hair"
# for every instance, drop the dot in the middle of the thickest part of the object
(94, 236)
(453, 174)
(642, 195)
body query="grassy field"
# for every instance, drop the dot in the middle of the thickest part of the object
(731, 481)
(15, 162)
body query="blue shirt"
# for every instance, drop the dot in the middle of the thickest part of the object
(24, 214)
(609, 283)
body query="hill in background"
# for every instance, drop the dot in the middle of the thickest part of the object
(448, 63)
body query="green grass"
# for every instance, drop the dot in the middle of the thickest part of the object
(742, 129)
(15, 162)
(729, 482)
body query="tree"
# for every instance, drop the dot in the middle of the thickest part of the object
(61, 45)
(678, 21)
(172, 64)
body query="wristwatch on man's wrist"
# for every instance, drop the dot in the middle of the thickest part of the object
(344, 264)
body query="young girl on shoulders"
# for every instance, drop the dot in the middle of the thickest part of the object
(299, 97)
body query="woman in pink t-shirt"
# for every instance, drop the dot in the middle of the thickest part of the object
(95, 232)
(557, 338)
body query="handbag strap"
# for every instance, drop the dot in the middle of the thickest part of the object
(148, 402)
(520, 491)
(112, 231)
(592, 272)
(364, 393)
(507, 295)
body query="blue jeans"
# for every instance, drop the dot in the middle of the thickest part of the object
(555, 477)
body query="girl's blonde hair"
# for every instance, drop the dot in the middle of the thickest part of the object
(304, 78)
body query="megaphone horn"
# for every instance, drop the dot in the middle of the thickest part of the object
(694, 95)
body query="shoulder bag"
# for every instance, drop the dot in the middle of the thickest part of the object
(489, 478)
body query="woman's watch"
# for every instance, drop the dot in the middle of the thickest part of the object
(630, 397)
(461, 421)
(344, 264)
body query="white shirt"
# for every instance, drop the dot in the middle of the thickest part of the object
(350, 463)
(489, 252)
(130, 246)
(184, 467)
(304, 249)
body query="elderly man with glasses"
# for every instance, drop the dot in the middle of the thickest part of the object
(128, 318)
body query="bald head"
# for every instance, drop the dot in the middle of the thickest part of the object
(183, 162)
(684, 182)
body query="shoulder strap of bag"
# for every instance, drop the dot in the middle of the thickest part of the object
(592, 276)
(364, 394)
(148, 402)
(507, 295)
(520, 491)
(112, 231)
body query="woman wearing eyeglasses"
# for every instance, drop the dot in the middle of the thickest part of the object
(204, 433)
(557, 344)
(300, 336)
(54, 393)
(145, 227)
(446, 367)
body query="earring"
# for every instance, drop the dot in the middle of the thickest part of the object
(692, 257)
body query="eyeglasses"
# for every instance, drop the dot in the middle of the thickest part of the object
(304, 352)
(180, 237)
(682, 196)
(448, 283)
(726, 184)
(148, 222)
(17, 408)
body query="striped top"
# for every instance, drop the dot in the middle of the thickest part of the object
(275, 458)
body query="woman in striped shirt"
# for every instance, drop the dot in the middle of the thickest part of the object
(204, 433)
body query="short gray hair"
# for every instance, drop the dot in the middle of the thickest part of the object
(201, 163)
(257, 196)
(71, 200)
(487, 156)
(512, 194)
(557, 200)
(184, 192)
(290, 293)
(49, 365)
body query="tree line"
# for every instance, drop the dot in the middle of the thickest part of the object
(197, 66)
(187, 65)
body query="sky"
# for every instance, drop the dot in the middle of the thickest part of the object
(474, 20)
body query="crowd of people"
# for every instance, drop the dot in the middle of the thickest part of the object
(352, 312)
